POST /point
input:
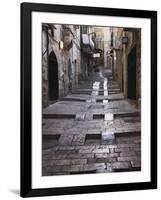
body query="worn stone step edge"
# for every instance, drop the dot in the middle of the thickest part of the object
(127, 133)
(59, 116)
(95, 116)
(132, 114)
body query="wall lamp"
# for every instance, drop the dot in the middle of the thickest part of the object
(61, 45)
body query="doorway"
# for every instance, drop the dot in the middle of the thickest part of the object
(53, 77)
(132, 74)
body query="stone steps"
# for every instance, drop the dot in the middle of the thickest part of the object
(58, 116)
(93, 136)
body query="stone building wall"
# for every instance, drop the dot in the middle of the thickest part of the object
(44, 68)
(107, 40)
(135, 40)
(121, 60)
(68, 60)
(118, 57)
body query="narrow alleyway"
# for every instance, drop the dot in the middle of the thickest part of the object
(94, 129)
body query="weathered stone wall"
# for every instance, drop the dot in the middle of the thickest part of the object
(118, 58)
(120, 64)
(107, 39)
(138, 78)
(135, 39)
(68, 60)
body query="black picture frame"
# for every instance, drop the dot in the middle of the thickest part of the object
(26, 105)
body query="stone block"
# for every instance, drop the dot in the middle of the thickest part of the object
(78, 140)
(121, 165)
(122, 149)
(86, 150)
(128, 145)
(78, 161)
(81, 156)
(107, 137)
(106, 155)
(136, 163)
(105, 150)
(130, 153)
(67, 152)
(109, 117)
(66, 148)
(80, 117)
(101, 160)
(105, 101)
(91, 167)
(130, 158)
(88, 101)
(65, 139)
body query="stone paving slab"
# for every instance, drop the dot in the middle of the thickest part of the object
(74, 141)
(92, 158)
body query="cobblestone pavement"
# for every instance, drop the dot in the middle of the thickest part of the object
(92, 130)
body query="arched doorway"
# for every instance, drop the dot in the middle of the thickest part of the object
(132, 74)
(53, 77)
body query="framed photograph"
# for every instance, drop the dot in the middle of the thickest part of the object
(88, 99)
